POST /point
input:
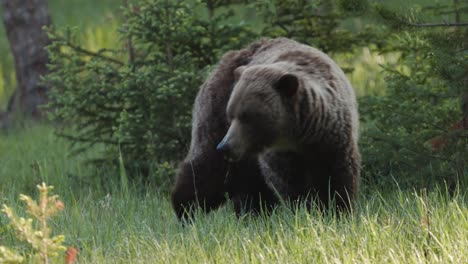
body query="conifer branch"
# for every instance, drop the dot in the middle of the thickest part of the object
(88, 52)
(438, 24)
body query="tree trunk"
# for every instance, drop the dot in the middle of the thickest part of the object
(24, 21)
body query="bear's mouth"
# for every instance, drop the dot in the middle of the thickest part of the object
(232, 159)
(233, 156)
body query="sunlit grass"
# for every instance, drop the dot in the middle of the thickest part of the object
(2, 83)
(109, 225)
(7, 84)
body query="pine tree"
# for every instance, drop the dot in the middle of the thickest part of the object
(138, 101)
(417, 131)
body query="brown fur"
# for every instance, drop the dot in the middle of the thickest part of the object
(291, 126)
(205, 177)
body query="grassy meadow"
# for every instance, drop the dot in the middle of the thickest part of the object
(115, 223)
(111, 221)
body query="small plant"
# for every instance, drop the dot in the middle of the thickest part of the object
(35, 233)
(9, 256)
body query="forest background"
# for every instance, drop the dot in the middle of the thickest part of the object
(121, 82)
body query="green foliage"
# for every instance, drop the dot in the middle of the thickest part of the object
(316, 23)
(414, 132)
(141, 104)
(354, 6)
(9, 256)
(36, 234)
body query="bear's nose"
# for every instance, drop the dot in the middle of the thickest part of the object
(223, 147)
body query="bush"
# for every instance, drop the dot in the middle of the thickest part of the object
(137, 101)
(414, 133)
(35, 231)
(317, 23)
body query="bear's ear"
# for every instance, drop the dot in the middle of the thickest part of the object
(238, 72)
(287, 85)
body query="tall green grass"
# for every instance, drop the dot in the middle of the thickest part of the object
(111, 224)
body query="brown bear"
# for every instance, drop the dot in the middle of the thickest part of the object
(286, 117)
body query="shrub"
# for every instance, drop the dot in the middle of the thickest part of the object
(138, 100)
(317, 23)
(413, 134)
(44, 247)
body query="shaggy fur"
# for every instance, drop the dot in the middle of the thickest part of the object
(286, 116)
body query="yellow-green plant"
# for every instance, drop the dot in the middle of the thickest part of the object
(35, 230)
(9, 256)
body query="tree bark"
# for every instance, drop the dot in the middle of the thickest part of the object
(24, 21)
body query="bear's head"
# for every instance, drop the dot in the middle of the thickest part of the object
(260, 110)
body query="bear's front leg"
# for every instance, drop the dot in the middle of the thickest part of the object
(284, 173)
(345, 177)
(247, 188)
(200, 184)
